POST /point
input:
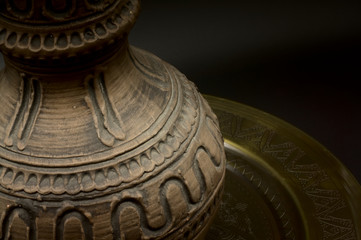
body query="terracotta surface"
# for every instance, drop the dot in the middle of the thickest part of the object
(99, 140)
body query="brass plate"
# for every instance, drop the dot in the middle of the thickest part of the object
(281, 183)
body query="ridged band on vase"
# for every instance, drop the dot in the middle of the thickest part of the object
(164, 182)
(48, 30)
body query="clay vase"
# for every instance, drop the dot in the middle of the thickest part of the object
(98, 139)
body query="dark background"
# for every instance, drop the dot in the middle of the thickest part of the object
(298, 60)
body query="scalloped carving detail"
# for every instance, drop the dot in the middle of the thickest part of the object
(49, 44)
(121, 171)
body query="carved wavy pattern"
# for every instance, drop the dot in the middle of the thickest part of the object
(215, 147)
(129, 218)
(18, 224)
(149, 161)
(21, 126)
(185, 199)
(72, 225)
(106, 119)
(180, 208)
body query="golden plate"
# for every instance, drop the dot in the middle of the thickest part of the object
(281, 183)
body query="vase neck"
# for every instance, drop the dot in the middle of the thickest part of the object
(62, 33)
(82, 63)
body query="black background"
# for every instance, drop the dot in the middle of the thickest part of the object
(298, 60)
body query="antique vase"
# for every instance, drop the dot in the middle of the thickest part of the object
(99, 139)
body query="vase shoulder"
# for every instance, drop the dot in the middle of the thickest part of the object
(106, 118)
(157, 158)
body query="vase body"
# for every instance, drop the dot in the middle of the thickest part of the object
(99, 139)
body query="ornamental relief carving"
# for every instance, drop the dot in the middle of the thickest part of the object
(27, 110)
(99, 141)
(57, 10)
(20, 9)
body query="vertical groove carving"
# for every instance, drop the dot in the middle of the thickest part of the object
(106, 118)
(152, 68)
(23, 121)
